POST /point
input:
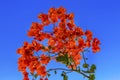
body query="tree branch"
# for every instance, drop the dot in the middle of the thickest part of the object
(68, 70)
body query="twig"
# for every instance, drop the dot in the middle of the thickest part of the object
(68, 70)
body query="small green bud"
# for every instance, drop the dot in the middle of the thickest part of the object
(85, 65)
(55, 72)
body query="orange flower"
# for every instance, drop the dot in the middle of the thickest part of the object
(44, 19)
(78, 31)
(40, 36)
(95, 45)
(33, 64)
(71, 44)
(70, 25)
(21, 65)
(44, 59)
(20, 50)
(51, 42)
(88, 43)
(81, 43)
(88, 33)
(70, 16)
(27, 49)
(65, 38)
(36, 26)
(41, 70)
(76, 57)
(37, 45)
(51, 10)
(54, 18)
(25, 75)
(46, 78)
(61, 10)
(63, 17)
(34, 29)
(62, 25)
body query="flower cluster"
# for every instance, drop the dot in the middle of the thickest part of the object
(65, 39)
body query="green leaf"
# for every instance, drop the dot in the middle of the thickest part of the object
(49, 47)
(48, 75)
(35, 75)
(65, 77)
(85, 65)
(64, 59)
(55, 72)
(43, 47)
(61, 59)
(92, 77)
(92, 68)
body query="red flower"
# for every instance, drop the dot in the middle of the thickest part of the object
(41, 70)
(44, 59)
(95, 45)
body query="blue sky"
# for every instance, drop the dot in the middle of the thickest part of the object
(102, 17)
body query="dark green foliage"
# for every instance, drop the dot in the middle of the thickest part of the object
(34, 75)
(85, 65)
(65, 77)
(92, 68)
(92, 77)
(64, 59)
(55, 72)
(48, 75)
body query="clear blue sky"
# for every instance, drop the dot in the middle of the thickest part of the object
(100, 16)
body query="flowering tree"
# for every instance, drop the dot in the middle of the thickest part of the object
(66, 43)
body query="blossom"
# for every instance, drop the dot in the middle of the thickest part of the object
(95, 45)
(44, 59)
(51, 42)
(70, 16)
(44, 19)
(88, 34)
(25, 75)
(41, 70)
(65, 40)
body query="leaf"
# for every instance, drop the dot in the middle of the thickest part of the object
(92, 77)
(61, 59)
(43, 47)
(55, 72)
(48, 75)
(65, 77)
(85, 65)
(63, 73)
(64, 59)
(35, 75)
(49, 47)
(92, 68)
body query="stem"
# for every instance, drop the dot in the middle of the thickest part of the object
(58, 69)
(84, 75)
(83, 57)
(69, 70)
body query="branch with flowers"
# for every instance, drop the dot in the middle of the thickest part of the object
(66, 44)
